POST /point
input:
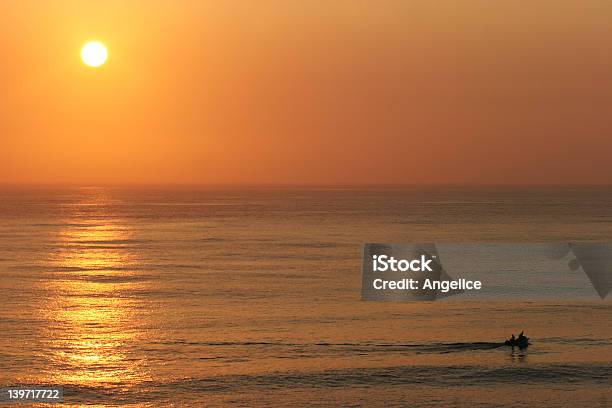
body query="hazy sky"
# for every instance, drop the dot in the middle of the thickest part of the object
(330, 91)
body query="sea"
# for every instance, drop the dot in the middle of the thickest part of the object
(161, 296)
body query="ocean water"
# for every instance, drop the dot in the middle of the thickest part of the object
(251, 296)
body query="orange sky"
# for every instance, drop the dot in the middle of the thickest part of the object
(307, 91)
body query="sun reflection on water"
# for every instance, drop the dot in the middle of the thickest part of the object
(93, 302)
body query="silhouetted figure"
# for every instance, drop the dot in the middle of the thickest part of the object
(521, 341)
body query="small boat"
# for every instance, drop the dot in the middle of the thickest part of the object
(522, 343)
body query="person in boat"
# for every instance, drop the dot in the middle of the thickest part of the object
(520, 341)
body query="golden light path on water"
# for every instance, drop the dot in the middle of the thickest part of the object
(91, 309)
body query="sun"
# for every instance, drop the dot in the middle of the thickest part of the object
(94, 54)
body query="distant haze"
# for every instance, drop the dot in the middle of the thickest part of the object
(452, 91)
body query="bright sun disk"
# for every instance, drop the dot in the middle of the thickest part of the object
(94, 53)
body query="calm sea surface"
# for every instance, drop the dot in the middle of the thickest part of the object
(193, 297)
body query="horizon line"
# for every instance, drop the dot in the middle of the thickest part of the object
(298, 185)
